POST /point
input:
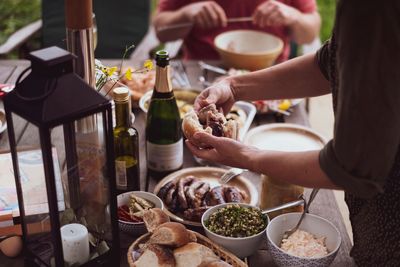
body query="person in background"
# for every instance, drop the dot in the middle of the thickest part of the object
(360, 66)
(291, 20)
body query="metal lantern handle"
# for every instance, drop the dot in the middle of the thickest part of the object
(48, 87)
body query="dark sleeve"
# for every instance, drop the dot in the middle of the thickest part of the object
(367, 119)
(322, 59)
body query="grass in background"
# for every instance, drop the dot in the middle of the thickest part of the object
(15, 14)
(327, 9)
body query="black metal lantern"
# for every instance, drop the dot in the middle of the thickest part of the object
(60, 133)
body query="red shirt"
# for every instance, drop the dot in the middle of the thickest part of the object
(199, 43)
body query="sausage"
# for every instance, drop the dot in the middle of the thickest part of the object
(201, 191)
(170, 195)
(232, 194)
(191, 196)
(162, 193)
(183, 182)
(194, 214)
(215, 196)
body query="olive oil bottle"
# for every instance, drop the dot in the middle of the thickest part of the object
(127, 171)
(163, 127)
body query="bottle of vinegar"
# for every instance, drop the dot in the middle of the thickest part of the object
(163, 128)
(127, 171)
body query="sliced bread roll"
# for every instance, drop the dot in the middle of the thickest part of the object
(218, 263)
(193, 255)
(155, 256)
(153, 218)
(171, 234)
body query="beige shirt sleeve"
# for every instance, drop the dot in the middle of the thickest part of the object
(367, 118)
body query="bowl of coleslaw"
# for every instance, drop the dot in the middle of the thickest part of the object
(316, 243)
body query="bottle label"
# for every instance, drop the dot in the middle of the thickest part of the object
(165, 157)
(120, 173)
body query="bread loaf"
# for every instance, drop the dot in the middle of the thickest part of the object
(193, 255)
(171, 234)
(153, 218)
(155, 256)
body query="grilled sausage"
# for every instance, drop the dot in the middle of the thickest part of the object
(162, 193)
(194, 214)
(191, 196)
(183, 182)
(215, 196)
(232, 194)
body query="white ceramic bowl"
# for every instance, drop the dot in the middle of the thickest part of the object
(136, 228)
(313, 224)
(240, 246)
(248, 49)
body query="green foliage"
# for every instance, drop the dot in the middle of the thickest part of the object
(14, 14)
(327, 9)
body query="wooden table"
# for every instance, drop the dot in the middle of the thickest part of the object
(324, 205)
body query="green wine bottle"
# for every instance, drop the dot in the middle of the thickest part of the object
(127, 171)
(163, 128)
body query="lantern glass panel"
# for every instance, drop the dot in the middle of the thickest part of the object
(80, 147)
(34, 192)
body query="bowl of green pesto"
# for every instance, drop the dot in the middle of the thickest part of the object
(238, 227)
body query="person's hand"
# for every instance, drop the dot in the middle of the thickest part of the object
(206, 15)
(220, 94)
(274, 13)
(222, 150)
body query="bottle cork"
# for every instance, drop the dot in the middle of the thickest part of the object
(78, 14)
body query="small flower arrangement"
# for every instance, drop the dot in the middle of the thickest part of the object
(114, 74)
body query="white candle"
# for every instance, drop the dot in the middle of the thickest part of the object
(75, 242)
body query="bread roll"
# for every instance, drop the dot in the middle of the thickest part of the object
(171, 234)
(155, 256)
(211, 121)
(153, 218)
(191, 125)
(193, 255)
(219, 263)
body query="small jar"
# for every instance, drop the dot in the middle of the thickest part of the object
(275, 193)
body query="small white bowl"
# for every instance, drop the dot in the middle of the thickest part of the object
(313, 224)
(240, 246)
(138, 228)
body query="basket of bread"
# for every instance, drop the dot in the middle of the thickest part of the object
(170, 244)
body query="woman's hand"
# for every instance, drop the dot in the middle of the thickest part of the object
(222, 150)
(221, 94)
(206, 15)
(274, 13)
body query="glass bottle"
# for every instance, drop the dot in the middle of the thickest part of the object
(163, 127)
(125, 144)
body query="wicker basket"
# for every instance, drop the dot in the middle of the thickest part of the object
(218, 250)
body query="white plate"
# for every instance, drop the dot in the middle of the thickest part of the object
(284, 137)
(210, 175)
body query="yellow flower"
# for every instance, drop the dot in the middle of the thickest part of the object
(110, 71)
(148, 64)
(128, 74)
(285, 104)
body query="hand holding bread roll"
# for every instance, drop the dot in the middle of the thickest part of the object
(211, 121)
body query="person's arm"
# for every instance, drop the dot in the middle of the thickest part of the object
(204, 14)
(168, 18)
(303, 26)
(306, 27)
(301, 168)
(296, 78)
(367, 121)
